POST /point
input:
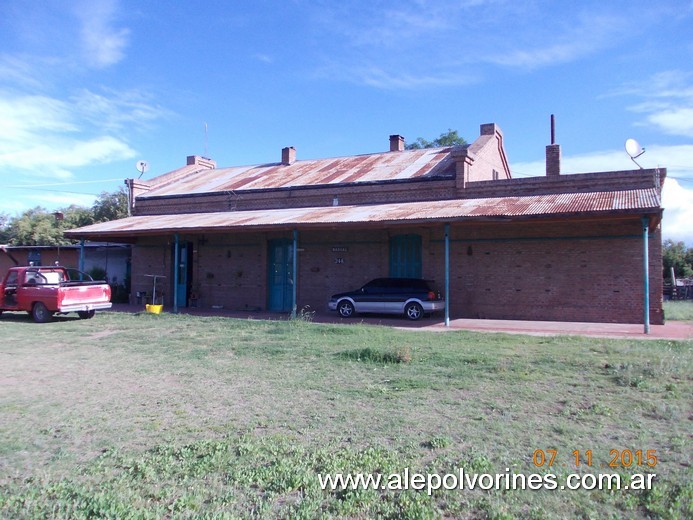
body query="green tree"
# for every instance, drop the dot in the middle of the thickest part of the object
(676, 255)
(40, 227)
(76, 216)
(111, 206)
(36, 227)
(449, 138)
(4, 228)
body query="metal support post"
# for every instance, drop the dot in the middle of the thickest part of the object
(176, 260)
(646, 273)
(447, 275)
(294, 274)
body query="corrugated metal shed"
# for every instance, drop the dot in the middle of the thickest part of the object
(431, 162)
(612, 202)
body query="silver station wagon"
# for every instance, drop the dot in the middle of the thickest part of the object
(411, 297)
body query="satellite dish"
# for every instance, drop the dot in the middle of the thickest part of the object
(142, 167)
(634, 150)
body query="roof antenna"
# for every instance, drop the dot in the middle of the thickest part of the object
(206, 140)
(634, 149)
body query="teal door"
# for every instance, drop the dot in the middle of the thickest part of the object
(184, 273)
(280, 276)
(405, 256)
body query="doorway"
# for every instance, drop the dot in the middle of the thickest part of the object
(405, 256)
(280, 276)
(185, 272)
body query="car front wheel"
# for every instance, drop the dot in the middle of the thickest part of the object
(413, 311)
(345, 309)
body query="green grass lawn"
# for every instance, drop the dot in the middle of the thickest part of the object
(145, 416)
(681, 310)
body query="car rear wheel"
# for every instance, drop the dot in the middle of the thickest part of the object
(40, 313)
(86, 315)
(345, 309)
(414, 311)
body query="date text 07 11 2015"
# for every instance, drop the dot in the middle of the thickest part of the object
(617, 458)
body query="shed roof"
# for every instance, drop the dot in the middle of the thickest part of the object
(637, 201)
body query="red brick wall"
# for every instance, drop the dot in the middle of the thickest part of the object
(300, 197)
(540, 272)
(151, 257)
(566, 271)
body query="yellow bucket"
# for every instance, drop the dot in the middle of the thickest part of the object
(154, 309)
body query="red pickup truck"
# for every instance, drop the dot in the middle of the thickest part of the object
(46, 290)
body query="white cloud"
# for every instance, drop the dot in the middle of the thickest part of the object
(117, 110)
(41, 136)
(24, 199)
(421, 44)
(264, 58)
(56, 156)
(51, 126)
(102, 43)
(62, 200)
(584, 35)
(674, 120)
(24, 117)
(678, 212)
(22, 70)
(386, 78)
(668, 104)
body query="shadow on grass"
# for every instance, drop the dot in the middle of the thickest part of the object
(24, 317)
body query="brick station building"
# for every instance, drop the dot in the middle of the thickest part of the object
(288, 234)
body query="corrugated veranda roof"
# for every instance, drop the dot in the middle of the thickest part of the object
(627, 201)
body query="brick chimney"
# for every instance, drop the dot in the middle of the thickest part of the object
(553, 160)
(553, 153)
(288, 155)
(201, 161)
(396, 143)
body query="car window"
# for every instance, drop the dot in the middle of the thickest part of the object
(417, 285)
(12, 278)
(402, 285)
(52, 277)
(373, 286)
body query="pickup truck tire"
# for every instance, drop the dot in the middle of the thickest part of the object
(86, 315)
(40, 313)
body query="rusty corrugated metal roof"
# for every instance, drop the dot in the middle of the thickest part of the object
(639, 200)
(388, 166)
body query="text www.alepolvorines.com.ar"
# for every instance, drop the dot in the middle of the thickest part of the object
(462, 480)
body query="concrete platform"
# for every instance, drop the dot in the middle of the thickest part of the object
(676, 330)
(673, 330)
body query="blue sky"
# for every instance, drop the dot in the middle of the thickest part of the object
(89, 87)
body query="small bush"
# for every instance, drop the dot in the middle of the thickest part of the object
(304, 315)
(371, 355)
(437, 443)
(97, 273)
